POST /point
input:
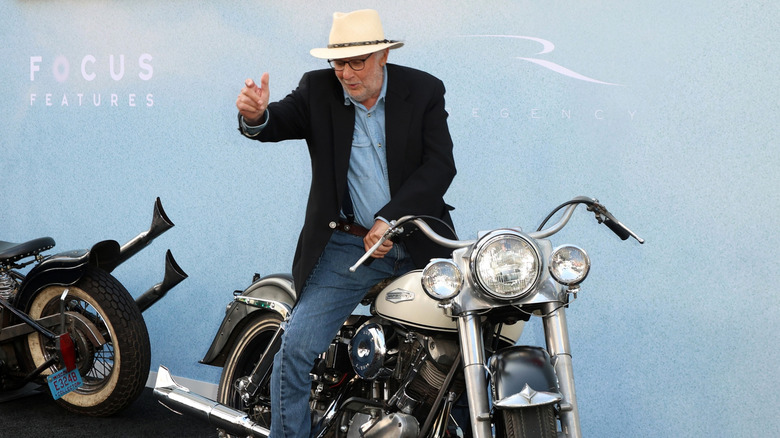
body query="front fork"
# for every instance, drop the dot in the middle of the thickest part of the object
(472, 348)
(474, 370)
(556, 334)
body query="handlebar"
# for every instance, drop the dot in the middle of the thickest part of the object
(396, 228)
(622, 231)
(601, 212)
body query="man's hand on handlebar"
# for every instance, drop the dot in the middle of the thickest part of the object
(374, 235)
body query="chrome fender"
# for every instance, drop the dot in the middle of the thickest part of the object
(522, 376)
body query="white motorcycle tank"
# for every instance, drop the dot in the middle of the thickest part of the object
(405, 301)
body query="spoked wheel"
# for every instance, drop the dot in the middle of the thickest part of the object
(246, 353)
(113, 374)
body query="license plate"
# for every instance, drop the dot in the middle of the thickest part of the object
(63, 382)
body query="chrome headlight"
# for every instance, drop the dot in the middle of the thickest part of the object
(506, 265)
(569, 265)
(442, 279)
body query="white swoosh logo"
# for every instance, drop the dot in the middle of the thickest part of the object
(547, 47)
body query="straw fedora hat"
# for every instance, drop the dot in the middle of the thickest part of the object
(353, 34)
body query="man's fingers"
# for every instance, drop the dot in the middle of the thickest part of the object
(374, 234)
(264, 81)
(253, 99)
(257, 93)
(383, 249)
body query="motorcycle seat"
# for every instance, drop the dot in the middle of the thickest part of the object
(11, 252)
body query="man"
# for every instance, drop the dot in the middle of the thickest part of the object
(380, 149)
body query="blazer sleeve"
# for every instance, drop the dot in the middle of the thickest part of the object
(289, 118)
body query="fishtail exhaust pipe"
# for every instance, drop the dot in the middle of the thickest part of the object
(180, 400)
(173, 276)
(160, 224)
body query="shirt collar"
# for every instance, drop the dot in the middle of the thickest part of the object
(348, 99)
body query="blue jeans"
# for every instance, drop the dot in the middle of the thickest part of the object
(329, 296)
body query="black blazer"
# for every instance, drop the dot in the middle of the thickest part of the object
(418, 146)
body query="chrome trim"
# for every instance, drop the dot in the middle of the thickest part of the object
(180, 400)
(556, 335)
(488, 239)
(367, 350)
(528, 397)
(261, 303)
(472, 347)
(551, 267)
(432, 293)
(399, 295)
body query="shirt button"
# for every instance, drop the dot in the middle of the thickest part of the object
(332, 225)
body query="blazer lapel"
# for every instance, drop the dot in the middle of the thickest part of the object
(398, 114)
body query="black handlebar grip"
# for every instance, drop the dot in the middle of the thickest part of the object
(617, 229)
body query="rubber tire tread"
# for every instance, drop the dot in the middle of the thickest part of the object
(531, 422)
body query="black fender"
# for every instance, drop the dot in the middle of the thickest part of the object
(275, 288)
(521, 376)
(64, 269)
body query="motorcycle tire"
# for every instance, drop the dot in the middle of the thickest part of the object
(246, 352)
(534, 421)
(114, 374)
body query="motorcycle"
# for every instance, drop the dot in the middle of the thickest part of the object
(70, 325)
(434, 336)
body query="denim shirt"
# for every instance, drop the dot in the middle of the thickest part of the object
(369, 183)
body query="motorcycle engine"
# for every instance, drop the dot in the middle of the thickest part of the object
(403, 369)
(393, 425)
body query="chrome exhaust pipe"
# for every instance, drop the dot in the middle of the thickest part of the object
(173, 276)
(160, 224)
(180, 400)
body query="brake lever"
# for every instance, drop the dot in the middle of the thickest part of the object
(617, 227)
(389, 234)
(621, 230)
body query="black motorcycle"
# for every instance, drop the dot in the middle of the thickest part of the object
(70, 325)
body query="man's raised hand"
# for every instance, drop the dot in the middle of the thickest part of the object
(253, 100)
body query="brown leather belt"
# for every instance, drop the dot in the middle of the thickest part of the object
(354, 229)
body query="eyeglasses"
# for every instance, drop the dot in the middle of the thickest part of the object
(355, 64)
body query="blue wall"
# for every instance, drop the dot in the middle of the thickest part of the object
(665, 111)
